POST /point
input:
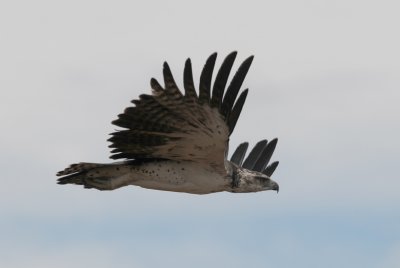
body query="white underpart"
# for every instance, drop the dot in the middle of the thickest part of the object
(177, 176)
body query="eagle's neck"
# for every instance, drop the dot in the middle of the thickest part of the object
(244, 180)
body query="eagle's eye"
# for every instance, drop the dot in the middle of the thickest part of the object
(261, 179)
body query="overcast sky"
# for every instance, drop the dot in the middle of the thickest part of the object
(325, 81)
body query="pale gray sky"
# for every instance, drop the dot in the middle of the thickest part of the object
(325, 81)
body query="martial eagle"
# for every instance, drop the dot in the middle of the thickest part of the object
(179, 142)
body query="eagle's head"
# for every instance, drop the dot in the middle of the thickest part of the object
(247, 181)
(266, 183)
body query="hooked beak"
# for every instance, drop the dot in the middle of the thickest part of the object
(275, 187)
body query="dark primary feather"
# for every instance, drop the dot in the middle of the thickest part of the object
(271, 168)
(157, 88)
(221, 79)
(255, 153)
(170, 85)
(234, 86)
(237, 109)
(265, 156)
(240, 153)
(258, 158)
(155, 117)
(190, 92)
(205, 79)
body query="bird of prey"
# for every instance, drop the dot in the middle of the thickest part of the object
(179, 142)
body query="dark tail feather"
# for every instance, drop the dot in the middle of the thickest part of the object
(76, 178)
(79, 167)
(78, 174)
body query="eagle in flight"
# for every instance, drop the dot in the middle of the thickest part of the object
(179, 142)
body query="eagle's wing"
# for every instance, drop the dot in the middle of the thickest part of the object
(258, 158)
(170, 125)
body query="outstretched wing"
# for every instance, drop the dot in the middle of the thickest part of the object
(176, 126)
(258, 158)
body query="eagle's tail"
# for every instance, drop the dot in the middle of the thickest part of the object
(79, 167)
(90, 175)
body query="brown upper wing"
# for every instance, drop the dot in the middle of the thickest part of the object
(176, 126)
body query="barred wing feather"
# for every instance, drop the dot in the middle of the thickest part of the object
(170, 125)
